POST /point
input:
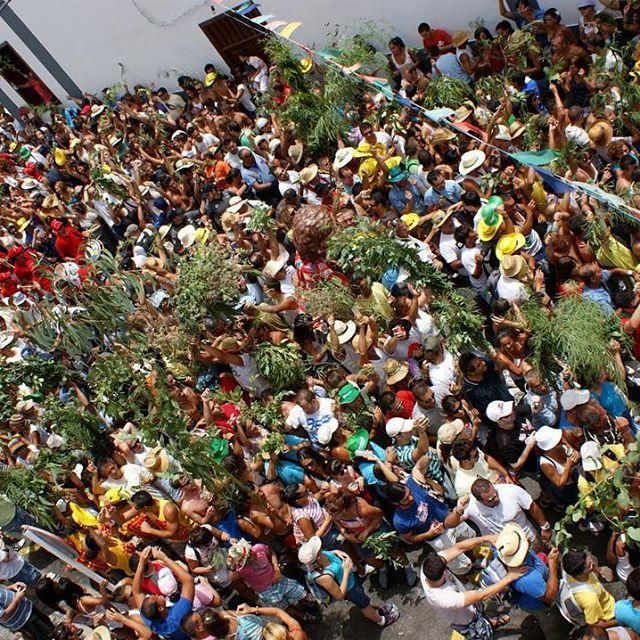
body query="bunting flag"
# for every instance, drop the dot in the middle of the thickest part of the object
(536, 158)
(287, 32)
(329, 54)
(263, 19)
(554, 182)
(275, 24)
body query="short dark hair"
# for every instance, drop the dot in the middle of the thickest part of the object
(633, 583)
(149, 609)
(434, 567)
(424, 26)
(462, 449)
(394, 492)
(141, 499)
(590, 632)
(574, 562)
(465, 360)
(397, 41)
(387, 400)
(480, 487)
(201, 537)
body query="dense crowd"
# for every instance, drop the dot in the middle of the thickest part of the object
(243, 368)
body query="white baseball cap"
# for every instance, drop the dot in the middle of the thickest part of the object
(547, 438)
(499, 409)
(572, 398)
(591, 456)
(398, 425)
(309, 551)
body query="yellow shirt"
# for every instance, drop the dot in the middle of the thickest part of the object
(587, 483)
(596, 603)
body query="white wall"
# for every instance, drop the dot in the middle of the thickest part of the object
(89, 37)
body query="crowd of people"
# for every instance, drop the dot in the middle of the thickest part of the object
(395, 448)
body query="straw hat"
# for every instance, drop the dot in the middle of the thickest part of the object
(503, 133)
(462, 113)
(344, 330)
(439, 217)
(441, 135)
(395, 370)
(601, 133)
(295, 152)
(157, 460)
(96, 110)
(470, 161)
(6, 338)
(28, 184)
(235, 204)
(459, 38)
(516, 129)
(342, 158)
(308, 173)
(513, 266)
(449, 431)
(355, 343)
(183, 164)
(187, 236)
(509, 244)
(512, 545)
(164, 230)
(50, 202)
(272, 267)
(100, 633)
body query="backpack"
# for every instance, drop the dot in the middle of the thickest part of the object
(319, 594)
(567, 604)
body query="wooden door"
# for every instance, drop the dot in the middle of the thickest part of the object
(233, 35)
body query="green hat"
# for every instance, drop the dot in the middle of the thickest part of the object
(396, 174)
(24, 153)
(489, 212)
(220, 448)
(357, 441)
(348, 393)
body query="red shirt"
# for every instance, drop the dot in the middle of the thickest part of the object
(436, 38)
(68, 242)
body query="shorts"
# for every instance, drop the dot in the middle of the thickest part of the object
(357, 596)
(283, 594)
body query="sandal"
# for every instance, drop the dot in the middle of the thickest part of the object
(499, 621)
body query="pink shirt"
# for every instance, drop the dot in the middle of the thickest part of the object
(258, 571)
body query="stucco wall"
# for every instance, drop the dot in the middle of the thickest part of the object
(90, 37)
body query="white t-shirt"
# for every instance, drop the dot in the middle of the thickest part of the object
(512, 290)
(468, 259)
(211, 556)
(441, 376)
(248, 377)
(514, 502)
(245, 98)
(449, 250)
(311, 422)
(448, 600)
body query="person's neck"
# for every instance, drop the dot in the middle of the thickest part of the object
(436, 583)
(581, 577)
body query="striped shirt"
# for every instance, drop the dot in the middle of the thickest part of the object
(312, 511)
(20, 616)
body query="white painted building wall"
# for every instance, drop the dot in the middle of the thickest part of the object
(157, 40)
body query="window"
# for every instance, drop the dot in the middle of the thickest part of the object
(23, 79)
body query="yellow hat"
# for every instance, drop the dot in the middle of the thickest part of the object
(393, 162)
(202, 234)
(509, 244)
(210, 78)
(23, 223)
(59, 156)
(486, 232)
(82, 516)
(13, 146)
(411, 220)
(115, 495)
(363, 150)
(306, 64)
(368, 168)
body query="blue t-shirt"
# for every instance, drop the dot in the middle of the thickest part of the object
(529, 589)
(421, 514)
(169, 628)
(627, 615)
